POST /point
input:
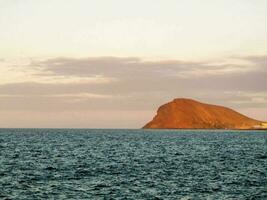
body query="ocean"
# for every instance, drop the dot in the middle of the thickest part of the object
(132, 164)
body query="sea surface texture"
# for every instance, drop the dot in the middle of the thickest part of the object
(132, 164)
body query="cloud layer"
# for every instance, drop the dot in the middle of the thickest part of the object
(131, 84)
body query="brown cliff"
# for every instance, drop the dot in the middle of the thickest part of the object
(190, 114)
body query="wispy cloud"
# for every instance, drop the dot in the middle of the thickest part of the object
(132, 66)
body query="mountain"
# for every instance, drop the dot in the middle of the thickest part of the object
(190, 114)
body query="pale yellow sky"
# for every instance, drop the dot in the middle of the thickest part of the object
(122, 56)
(184, 29)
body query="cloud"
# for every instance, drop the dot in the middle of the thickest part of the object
(128, 67)
(260, 60)
(250, 99)
(132, 75)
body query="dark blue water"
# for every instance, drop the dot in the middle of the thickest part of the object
(132, 164)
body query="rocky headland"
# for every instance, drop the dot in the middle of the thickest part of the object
(184, 113)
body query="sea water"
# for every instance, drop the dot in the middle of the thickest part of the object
(132, 164)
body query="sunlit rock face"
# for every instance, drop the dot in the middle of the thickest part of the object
(190, 114)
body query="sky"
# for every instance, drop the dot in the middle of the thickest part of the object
(111, 64)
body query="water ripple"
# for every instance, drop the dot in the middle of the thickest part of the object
(132, 164)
